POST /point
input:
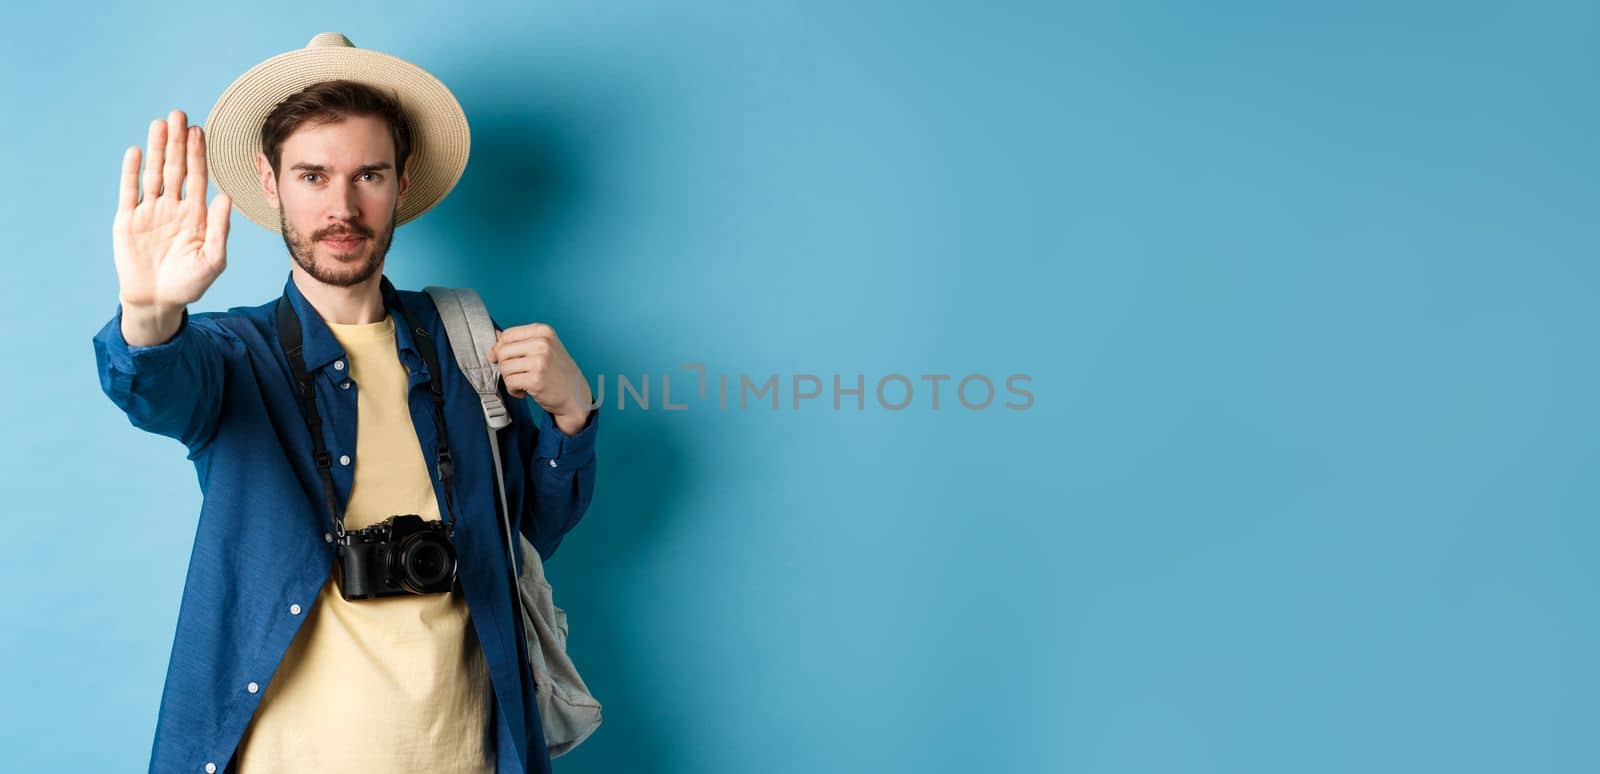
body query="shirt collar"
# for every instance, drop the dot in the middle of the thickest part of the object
(321, 348)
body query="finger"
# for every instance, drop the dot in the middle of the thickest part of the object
(530, 346)
(517, 384)
(194, 184)
(155, 151)
(513, 365)
(502, 346)
(523, 364)
(541, 341)
(128, 190)
(529, 331)
(172, 170)
(217, 227)
(524, 348)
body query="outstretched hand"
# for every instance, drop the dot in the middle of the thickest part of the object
(169, 247)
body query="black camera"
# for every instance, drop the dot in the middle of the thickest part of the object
(400, 555)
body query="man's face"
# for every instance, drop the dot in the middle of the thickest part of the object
(337, 195)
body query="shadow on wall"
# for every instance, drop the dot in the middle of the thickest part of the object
(522, 202)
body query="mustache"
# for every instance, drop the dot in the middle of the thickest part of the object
(343, 232)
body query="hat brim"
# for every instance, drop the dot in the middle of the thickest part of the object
(440, 137)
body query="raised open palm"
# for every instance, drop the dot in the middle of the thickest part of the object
(169, 248)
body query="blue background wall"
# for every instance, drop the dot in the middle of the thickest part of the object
(1306, 295)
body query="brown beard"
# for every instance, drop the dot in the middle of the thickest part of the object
(302, 250)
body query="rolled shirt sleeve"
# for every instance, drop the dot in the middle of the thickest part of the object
(173, 388)
(561, 479)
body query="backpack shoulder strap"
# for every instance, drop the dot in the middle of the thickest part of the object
(471, 331)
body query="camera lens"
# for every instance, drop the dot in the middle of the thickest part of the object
(426, 563)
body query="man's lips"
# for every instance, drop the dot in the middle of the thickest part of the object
(344, 241)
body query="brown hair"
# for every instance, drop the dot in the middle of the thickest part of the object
(330, 102)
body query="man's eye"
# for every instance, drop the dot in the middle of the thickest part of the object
(308, 174)
(373, 175)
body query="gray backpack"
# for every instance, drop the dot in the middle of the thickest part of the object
(568, 711)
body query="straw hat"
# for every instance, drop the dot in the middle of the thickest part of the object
(440, 137)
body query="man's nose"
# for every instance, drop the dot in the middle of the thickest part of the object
(346, 203)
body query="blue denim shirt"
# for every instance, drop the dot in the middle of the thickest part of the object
(222, 386)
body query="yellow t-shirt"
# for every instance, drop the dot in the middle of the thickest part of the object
(390, 684)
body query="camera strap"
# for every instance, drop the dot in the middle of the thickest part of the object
(305, 387)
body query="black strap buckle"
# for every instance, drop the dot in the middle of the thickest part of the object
(446, 466)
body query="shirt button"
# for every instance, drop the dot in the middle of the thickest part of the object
(552, 463)
(344, 459)
(327, 537)
(338, 365)
(211, 768)
(252, 687)
(294, 610)
(344, 385)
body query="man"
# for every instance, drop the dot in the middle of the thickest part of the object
(279, 663)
